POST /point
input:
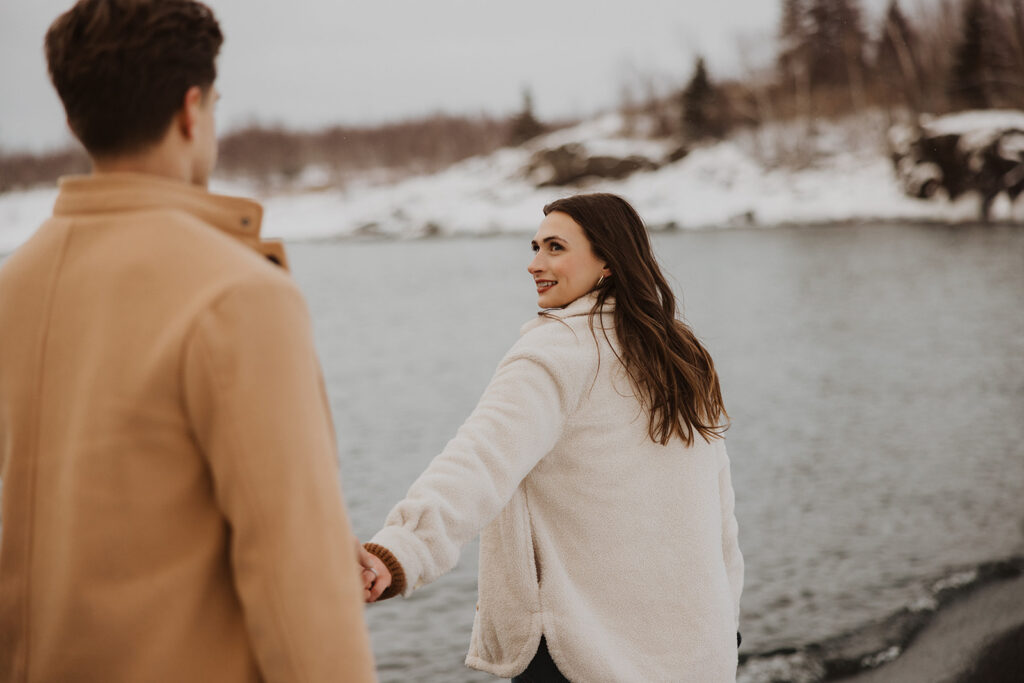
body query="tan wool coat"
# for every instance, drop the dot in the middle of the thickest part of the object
(621, 552)
(171, 504)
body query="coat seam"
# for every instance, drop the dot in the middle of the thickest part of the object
(34, 452)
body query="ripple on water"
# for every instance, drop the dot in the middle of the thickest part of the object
(872, 374)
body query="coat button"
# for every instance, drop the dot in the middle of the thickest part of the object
(245, 222)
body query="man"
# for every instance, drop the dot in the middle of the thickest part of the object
(171, 508)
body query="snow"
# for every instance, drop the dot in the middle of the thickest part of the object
(843, 174)
(977, 129)
(21, 213)
(975, 121)
(1011, 146)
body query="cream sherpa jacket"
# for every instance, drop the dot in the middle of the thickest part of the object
(619, 550)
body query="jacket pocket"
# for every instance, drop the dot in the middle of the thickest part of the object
(534, 550)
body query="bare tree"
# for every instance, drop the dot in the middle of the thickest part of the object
(937, 24)
(895, 67)
(968, 81)
(1005, 52)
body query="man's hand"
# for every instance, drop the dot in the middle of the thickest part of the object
(375, 575)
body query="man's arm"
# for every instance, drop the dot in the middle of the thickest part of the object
(255, 398)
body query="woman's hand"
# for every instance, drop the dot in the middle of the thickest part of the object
(375, 575)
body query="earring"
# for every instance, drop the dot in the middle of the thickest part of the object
(600, 281)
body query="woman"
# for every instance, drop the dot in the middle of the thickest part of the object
(595, 471)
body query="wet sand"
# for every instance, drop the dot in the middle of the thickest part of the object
(978, 637)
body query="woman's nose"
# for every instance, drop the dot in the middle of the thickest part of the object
(534, 265)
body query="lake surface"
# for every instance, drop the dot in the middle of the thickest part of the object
(874, 375)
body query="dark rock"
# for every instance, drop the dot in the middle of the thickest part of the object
(431, 229)
(928, 156)
(371, 229)
(679, 153)
(851, 653)
(1001, 662)
(570, 164)
(881, 641)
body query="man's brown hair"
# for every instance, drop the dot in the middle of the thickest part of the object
(122, 67)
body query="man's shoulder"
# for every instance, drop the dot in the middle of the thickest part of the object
(47, 239)
(167, 249)
(217, 263)
(197, 251)
(193, 232)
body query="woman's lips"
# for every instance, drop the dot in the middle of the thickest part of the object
(544, 285)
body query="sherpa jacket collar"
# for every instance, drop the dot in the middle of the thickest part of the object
(579, 307)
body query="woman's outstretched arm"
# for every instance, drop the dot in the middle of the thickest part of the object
(516, 423)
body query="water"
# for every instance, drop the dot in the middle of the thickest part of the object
(873, 374)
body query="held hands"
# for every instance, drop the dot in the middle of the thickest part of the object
(375, 575)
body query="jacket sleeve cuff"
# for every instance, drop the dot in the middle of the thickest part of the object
(397, 586)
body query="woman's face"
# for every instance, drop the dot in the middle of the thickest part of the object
(564, 267)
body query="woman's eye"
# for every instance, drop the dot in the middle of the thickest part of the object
(556, 247)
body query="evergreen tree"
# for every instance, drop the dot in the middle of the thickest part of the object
(792, 36)
(835, 42)
(967, 83)
(703, 113)
(1004, 53)
(525, 125)
(792, 60)
(896, 66)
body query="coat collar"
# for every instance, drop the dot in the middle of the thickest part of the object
(113, 192)
(577, 308)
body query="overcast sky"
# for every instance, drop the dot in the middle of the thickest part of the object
(308, 63)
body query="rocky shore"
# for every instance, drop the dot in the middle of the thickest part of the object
(978, 637)
(971, 629)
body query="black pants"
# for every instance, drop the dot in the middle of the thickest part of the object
(542, 669)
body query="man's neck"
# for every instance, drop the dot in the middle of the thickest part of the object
(155, 161)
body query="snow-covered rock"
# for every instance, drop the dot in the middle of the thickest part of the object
(979, 152)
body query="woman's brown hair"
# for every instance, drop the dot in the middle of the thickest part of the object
(671, 371)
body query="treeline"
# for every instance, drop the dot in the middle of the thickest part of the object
(23, 170)
(939, 56)
(948, 55)
(412, 146)
(415, 146)
(952, 55)
(274, 154)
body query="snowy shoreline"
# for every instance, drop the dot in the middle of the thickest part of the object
(845, 176)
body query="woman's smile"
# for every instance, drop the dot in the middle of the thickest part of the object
(544, 285)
